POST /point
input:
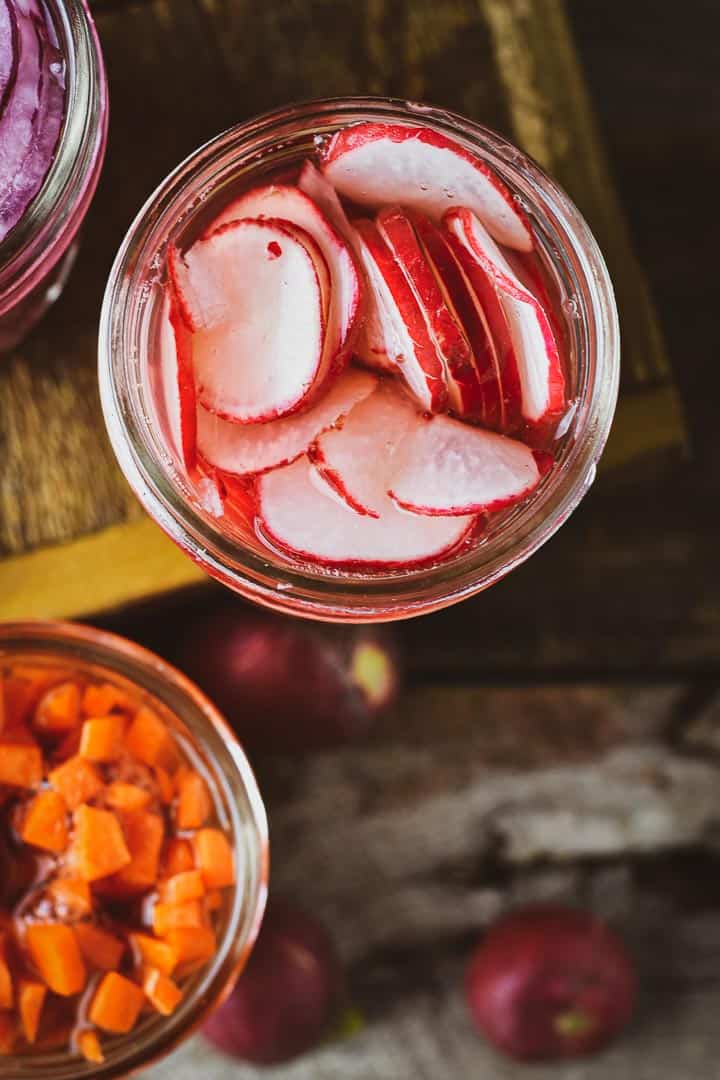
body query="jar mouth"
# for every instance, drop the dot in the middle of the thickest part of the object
(308, 591)
(240, 804)
(53, 216)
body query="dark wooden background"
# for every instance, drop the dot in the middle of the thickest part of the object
(560, 733)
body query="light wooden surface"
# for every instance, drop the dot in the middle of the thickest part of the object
(180, 72)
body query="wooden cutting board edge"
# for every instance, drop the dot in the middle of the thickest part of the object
(105, 570)
(127, 563)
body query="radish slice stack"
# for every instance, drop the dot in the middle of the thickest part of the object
(269, 311)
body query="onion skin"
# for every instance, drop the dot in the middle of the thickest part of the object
(287, 997)
(549, 983)
(287, 686)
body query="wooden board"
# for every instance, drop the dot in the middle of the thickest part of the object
(180, 72)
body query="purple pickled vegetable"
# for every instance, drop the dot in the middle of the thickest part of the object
(8, 51)
(34, 100)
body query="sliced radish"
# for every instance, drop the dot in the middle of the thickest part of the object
(535, 280)
(445, 328)
(356, 459)
(541, 380)
(256, 293)
(291, 204)
(446, 467)
(300, 515)
(490, 308)
(405, 334)
(176, 382)
(254, 448)
(370, 345)
(318, 188)
(377, 164)
(480, 391)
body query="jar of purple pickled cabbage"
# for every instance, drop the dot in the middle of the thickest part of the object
(53, 125)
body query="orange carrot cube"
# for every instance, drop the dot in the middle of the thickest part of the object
(123, 796)
(7, 994)
(213, 901)
(45, 823)
(101, 738)
(165, 785)
(24, 687)
(89, 1046)
(21, 764)
(194, 804)
(104, 699)
(148, 738)
(193, 945)
(58, 709)
(116, 1004)
(162, 993)
(187, 885)
(144, 833)
(178, 856)
(214, 858)
(153, 953)
(100, 948)
(99, 846)
(76, 780)
(54, 950)
(71, 897)
(31, 997)
(168, 917)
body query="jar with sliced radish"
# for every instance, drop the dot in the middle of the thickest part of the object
(357, 391)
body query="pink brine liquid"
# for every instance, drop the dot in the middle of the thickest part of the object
(361, 361)
(32, 105)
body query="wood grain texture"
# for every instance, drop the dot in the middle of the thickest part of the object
(470, 800)
(181, 71)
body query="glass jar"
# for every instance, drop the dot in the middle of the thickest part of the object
(37, 254)
(129, 346)
(241, 814)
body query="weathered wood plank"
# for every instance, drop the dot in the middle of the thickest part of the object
(468, 801)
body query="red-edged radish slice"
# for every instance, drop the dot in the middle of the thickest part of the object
(318, 188)
(300, 515)
(176, 383)
(481, 396)
(446, 330)
(253, 448)
(371, 345)
(288, 203)
(542, 384)
(443, 467)
(377, 164)
(507, 416)
(257, 292)
(356, 459)
(405, 333)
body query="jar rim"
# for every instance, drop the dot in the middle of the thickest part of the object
(53, 216)
(340, 596)
(128, 660)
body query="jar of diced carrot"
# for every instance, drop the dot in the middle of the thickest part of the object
(133, 854)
